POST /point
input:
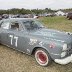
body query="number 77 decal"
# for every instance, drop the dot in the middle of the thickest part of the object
(13, 37)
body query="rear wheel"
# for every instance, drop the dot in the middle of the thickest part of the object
(42, 57)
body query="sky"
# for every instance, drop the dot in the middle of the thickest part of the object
(34, 4)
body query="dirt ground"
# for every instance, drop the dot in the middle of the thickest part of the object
(15, 61)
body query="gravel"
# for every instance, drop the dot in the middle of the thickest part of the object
(15, 61)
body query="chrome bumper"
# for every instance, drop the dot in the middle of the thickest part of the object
(64, 61)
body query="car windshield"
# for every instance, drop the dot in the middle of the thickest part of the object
(33, 24)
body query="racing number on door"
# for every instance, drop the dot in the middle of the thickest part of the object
(13, 37)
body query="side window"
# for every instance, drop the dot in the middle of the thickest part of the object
(5, 25)
(27, 25)
(30, 25)
(15, 25)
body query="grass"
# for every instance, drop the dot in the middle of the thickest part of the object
(14, 61)
(59, 23)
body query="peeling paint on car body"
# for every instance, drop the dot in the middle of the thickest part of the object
(31, 36)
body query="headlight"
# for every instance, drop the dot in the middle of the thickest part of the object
(64, 47)
(63, 54)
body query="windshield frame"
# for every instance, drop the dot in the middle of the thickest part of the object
(34, 24)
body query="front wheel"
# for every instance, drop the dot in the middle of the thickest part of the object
(42, 57)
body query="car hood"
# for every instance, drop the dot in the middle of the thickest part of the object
(54, 34)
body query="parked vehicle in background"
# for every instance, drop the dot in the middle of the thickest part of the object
(5, 16)
(69, 16)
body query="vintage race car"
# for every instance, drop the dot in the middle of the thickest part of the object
(31, 37)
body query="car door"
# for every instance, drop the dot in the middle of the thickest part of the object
(4, 30)
(17, 37)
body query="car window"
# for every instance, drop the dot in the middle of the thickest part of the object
(32, 25)
(14, 25)
(5, 25)
(27, 25)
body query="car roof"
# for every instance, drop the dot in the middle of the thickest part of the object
(18, 19)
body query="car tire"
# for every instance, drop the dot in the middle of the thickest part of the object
(42, 57)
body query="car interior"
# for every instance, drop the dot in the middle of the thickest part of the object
(15, 26)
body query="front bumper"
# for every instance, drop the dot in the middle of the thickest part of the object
(64, 61)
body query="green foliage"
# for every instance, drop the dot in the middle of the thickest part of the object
(15, 11)
(25, 11)
(33, 11)
(48, 10)
(37, 11)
